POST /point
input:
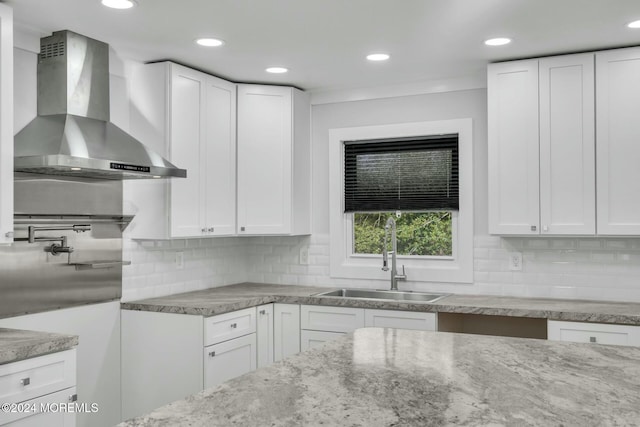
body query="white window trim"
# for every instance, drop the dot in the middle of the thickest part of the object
(343, 264)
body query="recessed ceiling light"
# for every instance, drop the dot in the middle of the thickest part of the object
(119, 4)
(276, 70)
(378, 57)
(76, 169)
(634, 24)
(209, 42)
(499, 41)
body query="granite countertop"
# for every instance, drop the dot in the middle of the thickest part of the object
(391, 377)
(224, 299)
(17, 344)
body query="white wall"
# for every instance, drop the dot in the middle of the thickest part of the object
(580, 268)
(590, 268)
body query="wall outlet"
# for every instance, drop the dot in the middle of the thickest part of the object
(304, 256)
(179, 260)
(515, 261)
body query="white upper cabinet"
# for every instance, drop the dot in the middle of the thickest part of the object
(189, 117)
(274, 161)
(513, 147)
(541, 146)
(6, 124)
(567, 145)
(618, 141)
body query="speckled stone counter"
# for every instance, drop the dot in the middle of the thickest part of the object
(389, 377)
(16, 344)
(220, 300)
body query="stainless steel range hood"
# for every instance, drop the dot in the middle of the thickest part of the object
(72, 135)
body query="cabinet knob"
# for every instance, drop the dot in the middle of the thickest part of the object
(211, 230)
(25, 381)
(204, 230)
(73, 398)
(212, 354)
(241, 228)
(592, 339)
(234, 325)
(262, 312)
(534, 227)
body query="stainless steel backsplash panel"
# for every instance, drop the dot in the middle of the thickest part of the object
(32, 280)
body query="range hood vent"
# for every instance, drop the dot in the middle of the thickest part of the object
(72, 135)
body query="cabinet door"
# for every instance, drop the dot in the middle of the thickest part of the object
(567, 145)
(34, 417)
(229, 359)
(618, 134)
(219, 152)
(331, 319)
(400, 319)
(265, 335)
(513, 147)
(30, 378)
(6, 124)
(598, 333)
(313, 339)
(286, 334)
(186, 128)
(264, 159)
(224, 327)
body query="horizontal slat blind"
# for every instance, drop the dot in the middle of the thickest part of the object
(401, 174)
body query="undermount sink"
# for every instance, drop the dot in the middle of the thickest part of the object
(383, 295)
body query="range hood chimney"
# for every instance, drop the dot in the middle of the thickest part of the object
(72, 135)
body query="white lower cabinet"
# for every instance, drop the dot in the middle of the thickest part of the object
(264, 335)
(599, 333)
(229, 359)
(400, 320)
(34, 383)
(331, 319)
(313, 339)
(286, 334)
(167, 356)
(44, 411)
(320, 324)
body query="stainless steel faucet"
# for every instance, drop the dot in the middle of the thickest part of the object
(391, 224)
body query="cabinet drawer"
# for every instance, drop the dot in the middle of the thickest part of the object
(229, 325)
(400, 320)
(27, 379)
(313, 339)
(331, 319)
(229, 359)
(594, 332)
(30, 414)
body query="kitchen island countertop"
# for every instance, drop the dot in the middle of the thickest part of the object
(385, 377)
(213, 301)
(18, 344)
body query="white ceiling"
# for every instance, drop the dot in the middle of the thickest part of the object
(324, 42)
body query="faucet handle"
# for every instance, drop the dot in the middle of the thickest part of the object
(402, 276)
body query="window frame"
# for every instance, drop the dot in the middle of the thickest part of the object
(343, 263)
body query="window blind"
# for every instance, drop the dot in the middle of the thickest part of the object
(419, 173)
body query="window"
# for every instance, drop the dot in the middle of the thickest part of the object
(422, 170)
(418, 233)
(404, 175)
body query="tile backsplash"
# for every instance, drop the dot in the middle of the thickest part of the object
(575, 268)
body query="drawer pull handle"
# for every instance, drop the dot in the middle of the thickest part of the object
(212, 354)
(234, 325)
(73, 398)
(592, 339)
(25, 381)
